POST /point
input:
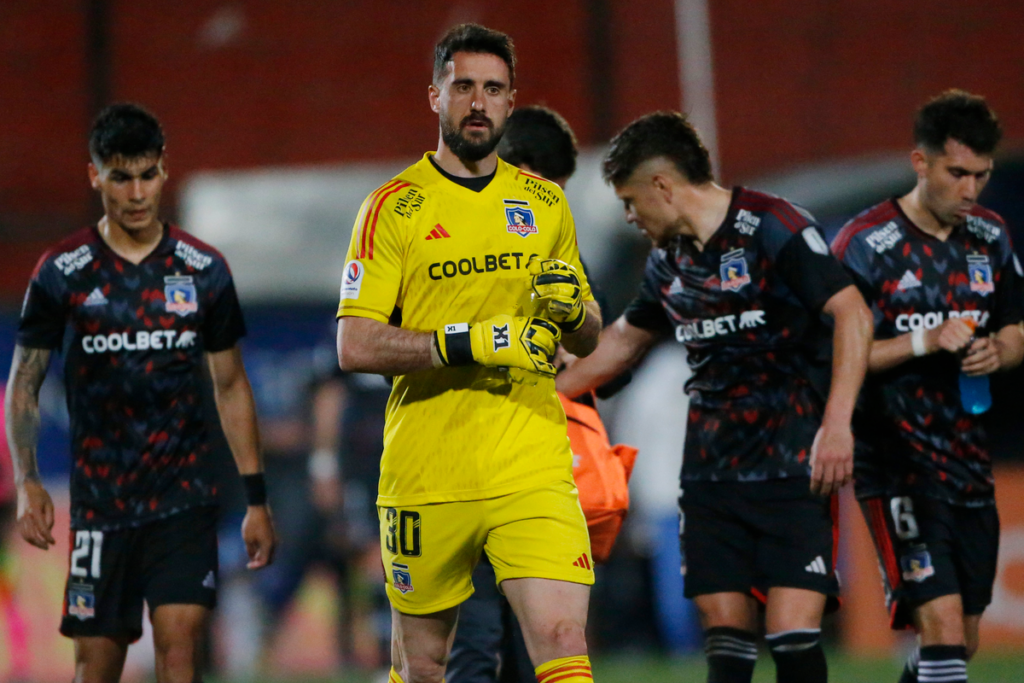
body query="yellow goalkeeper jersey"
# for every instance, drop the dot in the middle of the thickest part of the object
(442, 253)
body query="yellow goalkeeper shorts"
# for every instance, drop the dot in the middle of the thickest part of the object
(429, 551)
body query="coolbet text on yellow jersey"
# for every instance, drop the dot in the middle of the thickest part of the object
(442, 253)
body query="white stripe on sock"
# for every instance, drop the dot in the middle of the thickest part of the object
(752, 656)
(732, 641)
(730, 648)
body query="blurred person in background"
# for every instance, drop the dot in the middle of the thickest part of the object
(344, 468)
(741, 277)
(489, 644)
(648, 416)
(321, 432)
(475, 456)
(946, 291)
(16, 632)
(142, 306)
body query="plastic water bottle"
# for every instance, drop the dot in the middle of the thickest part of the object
(975, 396)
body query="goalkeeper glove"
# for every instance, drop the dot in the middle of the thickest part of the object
(501, 341)
(556, 284)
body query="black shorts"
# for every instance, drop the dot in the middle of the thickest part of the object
(748, 537)
(170, 561)
(928, 548)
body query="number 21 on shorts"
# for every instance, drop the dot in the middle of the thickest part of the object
(85, 558)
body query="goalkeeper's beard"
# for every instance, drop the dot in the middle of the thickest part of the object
(466, 149)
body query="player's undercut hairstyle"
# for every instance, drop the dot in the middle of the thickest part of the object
(541, 139)
(126, 130)
(477, 39)
(960, 116)
(666, 134)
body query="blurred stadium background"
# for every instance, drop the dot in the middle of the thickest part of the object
(281, 117)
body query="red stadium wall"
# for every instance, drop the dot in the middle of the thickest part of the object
(801, 80)
(259, 82)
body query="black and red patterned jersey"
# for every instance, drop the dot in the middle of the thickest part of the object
(133, 338)
(919, 436)
(747, 308)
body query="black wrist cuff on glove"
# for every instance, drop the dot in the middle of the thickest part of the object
(455, 348)
(255, 488)
(575, 324)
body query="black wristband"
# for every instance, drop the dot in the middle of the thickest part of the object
(458, 349)
(255, 488)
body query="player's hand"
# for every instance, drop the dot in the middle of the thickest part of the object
(954, 335)
(831, 459)
(556, 286)
(35, 515)
(982, 358)
(501, 341)
(258, 535)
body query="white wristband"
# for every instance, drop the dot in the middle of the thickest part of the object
(917, 342)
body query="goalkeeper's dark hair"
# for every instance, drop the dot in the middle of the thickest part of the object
(126, 130)
(540, 139)
(959, 116)
(477, 39)
(666, 134)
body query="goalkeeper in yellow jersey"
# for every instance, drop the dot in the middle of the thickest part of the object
(461, 279)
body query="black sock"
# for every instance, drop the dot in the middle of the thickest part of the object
(731, 654)
(798, 656)
(910, 669)
(943, 664)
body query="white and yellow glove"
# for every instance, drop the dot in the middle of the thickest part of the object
(556, 286)
(501, 341)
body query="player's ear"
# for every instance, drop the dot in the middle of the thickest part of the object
(434, 97)
(94, 176)
(511, 100)
(662, 186)
(919, 160)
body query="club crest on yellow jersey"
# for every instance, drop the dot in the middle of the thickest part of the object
(520, 217)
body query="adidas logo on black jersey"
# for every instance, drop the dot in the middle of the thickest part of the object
(817, 566)
(95, 298)
(908, 281)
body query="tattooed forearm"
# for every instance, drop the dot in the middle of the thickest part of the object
(28, 370)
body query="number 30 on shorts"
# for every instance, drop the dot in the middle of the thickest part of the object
(403, 532)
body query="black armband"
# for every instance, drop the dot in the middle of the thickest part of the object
(255, 488)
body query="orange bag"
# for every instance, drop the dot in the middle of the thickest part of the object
(602, 475)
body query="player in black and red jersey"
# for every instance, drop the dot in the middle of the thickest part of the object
(740, 278)
(137, 307)
(946, 290)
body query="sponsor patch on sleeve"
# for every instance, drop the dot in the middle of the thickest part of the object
(815, 241)
(352, 280)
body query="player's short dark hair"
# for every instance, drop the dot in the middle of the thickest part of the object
(541, 139)
(127, 130)
(473, 38)
(665, 134)
(961, 116)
